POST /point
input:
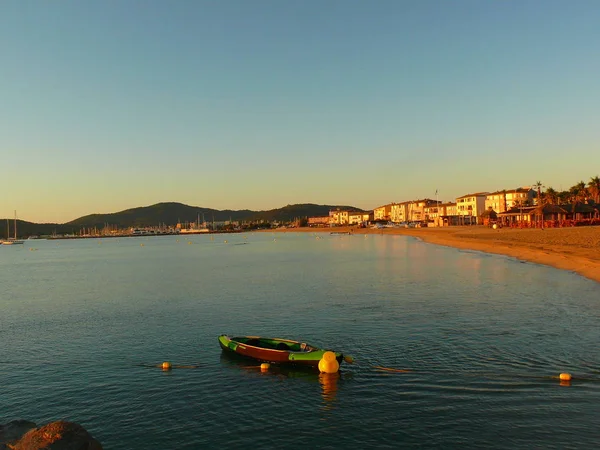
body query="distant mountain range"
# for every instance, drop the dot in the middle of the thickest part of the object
(168, 214)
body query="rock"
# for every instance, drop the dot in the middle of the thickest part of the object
(57, 436)
(13, 431)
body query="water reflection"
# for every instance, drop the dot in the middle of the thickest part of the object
(329, 387)
(328, 382)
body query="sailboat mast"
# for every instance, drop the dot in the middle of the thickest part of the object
(15, 224)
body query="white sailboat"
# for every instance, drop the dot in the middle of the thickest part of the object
(9, 240)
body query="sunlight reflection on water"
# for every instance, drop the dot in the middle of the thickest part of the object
(83, 325)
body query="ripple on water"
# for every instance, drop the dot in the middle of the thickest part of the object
(83, 327)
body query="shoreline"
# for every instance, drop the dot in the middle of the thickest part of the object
(576, 249)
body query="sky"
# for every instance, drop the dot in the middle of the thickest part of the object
(236, 104)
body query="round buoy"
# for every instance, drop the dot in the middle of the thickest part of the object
(265, 366)
(225, 242)
(328, 363)
(329, 356)
(166, 365)
(565, 377)
(141, 245)
(494, 226)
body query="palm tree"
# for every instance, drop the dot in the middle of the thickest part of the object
(551, 196)
(594, 188)
(538, 185)
(563, 197)
(582, 190)
(577, 194)
(573, 193)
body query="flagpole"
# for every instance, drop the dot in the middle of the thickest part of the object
(437, 202)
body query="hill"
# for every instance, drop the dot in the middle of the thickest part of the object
(173, 213)
(291, 212)
(160, 213)
(170, 214)
(26, 229)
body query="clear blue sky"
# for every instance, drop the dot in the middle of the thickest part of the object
(113, 104)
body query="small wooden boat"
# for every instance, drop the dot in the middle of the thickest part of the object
(278, 351)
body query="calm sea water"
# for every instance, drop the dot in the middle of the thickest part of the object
(83, 323)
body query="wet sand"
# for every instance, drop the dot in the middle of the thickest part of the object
(575, 249)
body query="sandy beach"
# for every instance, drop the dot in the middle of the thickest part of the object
(576, 249)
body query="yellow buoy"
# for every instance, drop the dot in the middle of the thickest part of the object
(166, 365)
(329, 356)
(141, 245)
(565, 377)
(328, 363)
(265, 366)
(225, 242)
(189, 242)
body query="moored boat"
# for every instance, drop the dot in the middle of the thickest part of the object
(278, 351)
(9, 240)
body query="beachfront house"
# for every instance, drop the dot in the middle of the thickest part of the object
(338, 217)
(549, 215)
(416, 209)
(383, 213)
(412, 211)
(359, 218)
(501, 201)
(318, 221)
(433, 213)
(399, 212)
(442, 214)
(470, 207)
(341, 217)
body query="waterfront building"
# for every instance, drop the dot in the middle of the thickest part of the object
(339, 217)
(417, 209)
(318, 221)
(448, 214)
(470, 207)
(358, 218)
(399, 212)
(522, 196)
(383, 212)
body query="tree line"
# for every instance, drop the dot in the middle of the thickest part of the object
(580, 192)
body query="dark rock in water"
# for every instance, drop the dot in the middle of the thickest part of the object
(57, 436)
(13, 431)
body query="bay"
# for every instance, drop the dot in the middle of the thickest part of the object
(84, 323)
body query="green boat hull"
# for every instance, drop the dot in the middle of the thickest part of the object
(274, 350)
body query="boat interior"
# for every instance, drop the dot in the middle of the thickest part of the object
(274, 344)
